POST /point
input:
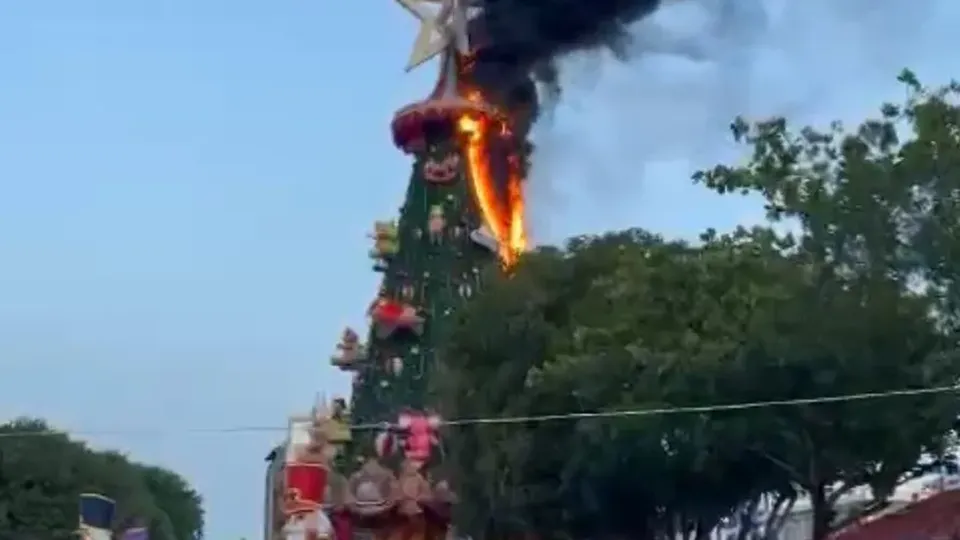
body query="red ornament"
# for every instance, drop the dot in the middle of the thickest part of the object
(411, 123)
(391, 315)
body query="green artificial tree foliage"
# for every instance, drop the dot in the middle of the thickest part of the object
(437, 266)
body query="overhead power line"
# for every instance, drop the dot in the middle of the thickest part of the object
(500, 420)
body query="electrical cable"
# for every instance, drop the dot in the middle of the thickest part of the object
(574, 416)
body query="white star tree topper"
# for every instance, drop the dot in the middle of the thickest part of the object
(438, 31)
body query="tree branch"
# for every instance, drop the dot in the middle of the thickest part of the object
(844, 488)
(783, 465)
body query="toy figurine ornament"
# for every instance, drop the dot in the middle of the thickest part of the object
(370, 491)
(415, 434)
(350, 351)
(396, 366)
(305, 485)
(386, 243)
(436, 223)
(314, 494)
(327, 432)
(331, 425)
(312, 525)
(340, 411)
(419, 436)
(413, 489)
(441, 171)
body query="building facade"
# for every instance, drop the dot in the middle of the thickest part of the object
(275, 460)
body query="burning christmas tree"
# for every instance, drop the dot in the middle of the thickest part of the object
(463, 212)
(463, 209)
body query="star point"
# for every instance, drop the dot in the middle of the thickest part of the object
(440, 31)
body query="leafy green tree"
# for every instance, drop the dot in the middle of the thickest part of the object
(42, 476)
(181, 506)
(857, 298)
(618, 322)
(877, 214)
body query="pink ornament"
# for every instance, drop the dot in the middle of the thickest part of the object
(419, 436)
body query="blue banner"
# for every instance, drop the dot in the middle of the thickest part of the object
(96, 516)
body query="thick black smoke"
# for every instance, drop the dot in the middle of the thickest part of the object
(518, 43)
(537, 32)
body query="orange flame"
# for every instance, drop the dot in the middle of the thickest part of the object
(505, 220)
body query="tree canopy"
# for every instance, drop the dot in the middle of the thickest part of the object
(848, 289)
(41, 478)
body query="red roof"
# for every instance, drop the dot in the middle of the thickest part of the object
(934, 518)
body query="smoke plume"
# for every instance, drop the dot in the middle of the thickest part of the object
(520, 43)
(533, 34)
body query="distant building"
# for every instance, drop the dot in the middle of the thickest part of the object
(275, 461)
(798, 525)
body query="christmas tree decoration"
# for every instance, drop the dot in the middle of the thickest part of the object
(396, 365)
(350, 351)
(418, 433)
(371, 495)
(312, 494)
(462, 212)
(414, 433)
(385, 443)
(391, 316)
(414, 491)
(437, 222)
(485, 239)
(386, 244)
(441, 170)
(330, 430)
(446, 30)
(306, 483)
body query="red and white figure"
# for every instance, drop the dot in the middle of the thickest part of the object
(385, 442)
(306, 484)
(314, 525)
(415, 434)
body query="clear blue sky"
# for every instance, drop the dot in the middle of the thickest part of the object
(185, 186)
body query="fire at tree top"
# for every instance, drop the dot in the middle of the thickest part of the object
(516, 43)
(492, 53)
